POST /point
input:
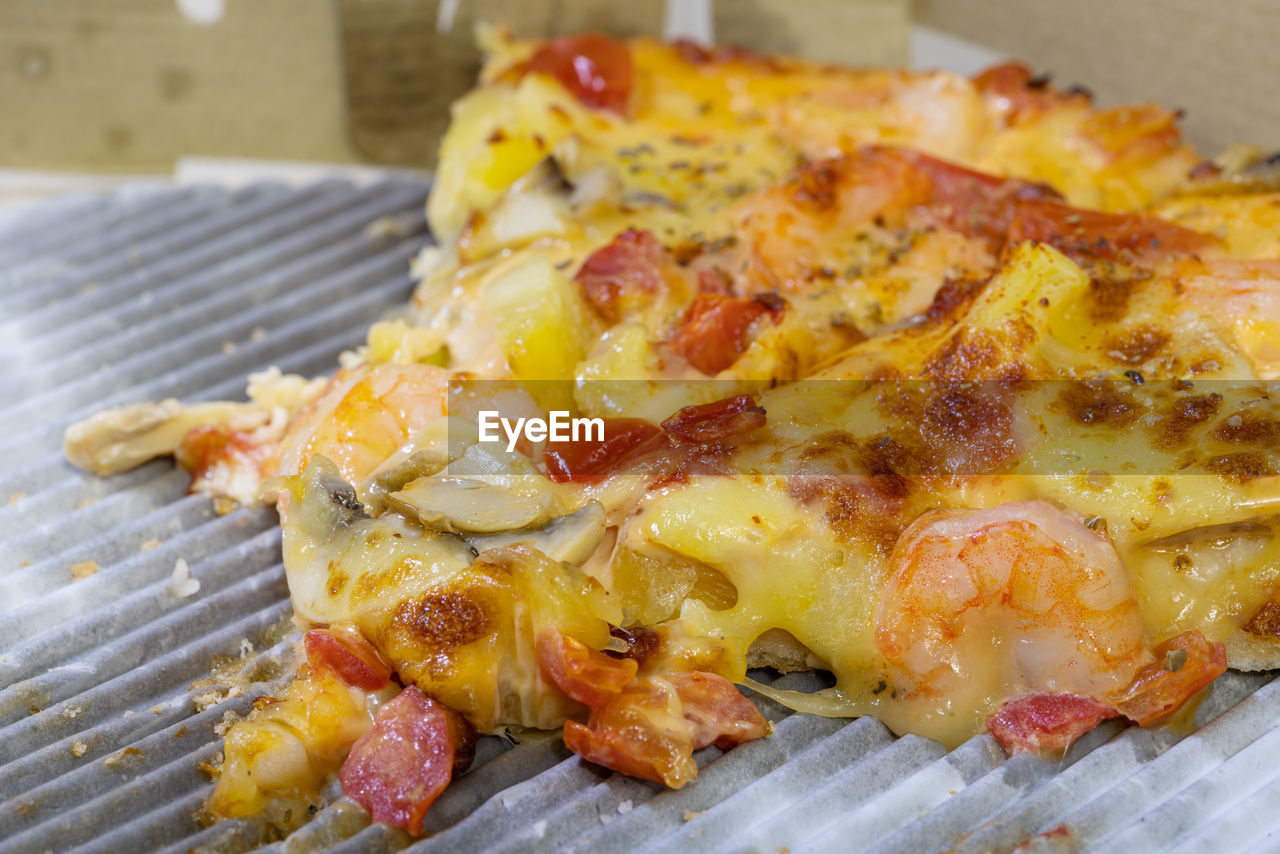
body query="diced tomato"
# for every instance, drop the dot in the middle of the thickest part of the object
(206, 449)
(716, 330)
(582, 673)
(583, 459)
(651, 728)
(720, 715)
(1046, 721)
(711, 422)
(350, 656)
(645, 726)
(1086, 235)
(630, 264)
(640, 732)
(1184, 664)
(596, 69)
(399, 767)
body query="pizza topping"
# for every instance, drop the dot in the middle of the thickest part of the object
(1184, 664)
(1243, 296)
(967, 583)
(280, 755)
(1046, 722)
(399, 768)
(716, 329)
(582, 673)
(122, 437)
(588, 457)
(629, 266)
(712, 422)
(349, 655)
(646, 726)
(973, 203)
(1018, 96)
(596, 69)
(1087, 236)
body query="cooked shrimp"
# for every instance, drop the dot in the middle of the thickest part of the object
(364, 417)
(1245, 297)
(988, 605)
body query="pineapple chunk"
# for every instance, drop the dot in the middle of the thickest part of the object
(279, 757)
(541, 321)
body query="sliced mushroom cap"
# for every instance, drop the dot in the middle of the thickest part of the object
(571, 538)
(427, 452)
(120, 438)
(481, 492)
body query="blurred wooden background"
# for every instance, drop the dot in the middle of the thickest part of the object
(128, 86)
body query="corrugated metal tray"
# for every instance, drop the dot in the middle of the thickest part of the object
(150, 293)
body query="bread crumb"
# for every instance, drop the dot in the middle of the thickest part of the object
(128, 713)
(625, 807)
(78, 748)
(116, 760)
(70, 712)
(181, 584)
(83, 569)
(690, 815)
(540, 828)
(148, 545)
(86, 502)
(214, 766)
(15, 498)
(228, 347)
(223, 505)
(257, 333)
(229, 719)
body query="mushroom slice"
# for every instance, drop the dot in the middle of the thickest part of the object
(570, 538)
(122, 437)
(480, 493)
(344, 564)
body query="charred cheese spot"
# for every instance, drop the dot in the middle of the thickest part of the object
(1266, 621)
(437, 623)
(1240, 467)
(970, 429)
(1136, 344)
(1249, 428)
(1099, 404)
(371, 586)
(1184, 415)
(860, 486)
(953, 298)
(1109, 297)
(976, 354)
(337, 580)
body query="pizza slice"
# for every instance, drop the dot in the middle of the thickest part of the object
(959, 389)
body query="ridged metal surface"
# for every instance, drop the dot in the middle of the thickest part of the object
(182, 292)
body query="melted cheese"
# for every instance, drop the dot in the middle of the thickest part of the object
(1004, 391)
(707, 154)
